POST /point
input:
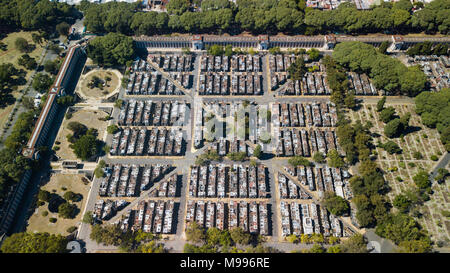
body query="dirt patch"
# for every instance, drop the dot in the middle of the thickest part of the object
(107, 83)
(90, 118)
(72, 182)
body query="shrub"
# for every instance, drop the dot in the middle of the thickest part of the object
(434, 157)
(299, 160)
(44, 213)
(417, 155)
(22, 44)
(44, 195)
(52, 220)
(112, 129)
(71, 229)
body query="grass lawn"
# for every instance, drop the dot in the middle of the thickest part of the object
(90, 118)
(73, 182)
(12, 55)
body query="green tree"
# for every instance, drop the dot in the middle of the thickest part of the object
(110, 235)
(441, 174)
(28, 62)
(42, 82)
(380, 104)
(77, 128)
(44, 195)
(85, 147)
(317, 248)
(112, 129)
(393, 128)
(335, 204)
(292, 239)
(387, 114)
(151, 247)
(71, 196)
(391, 147)
(334, 159)
(88, 218)
(355, 244)
(239, 236)
(67, 210)
(237, 156)
(400, 227)
(213, 236)
(383, 47)
(111, 49)
(415, 246)
(314, 54)
(402, 202)
(178, 7)
(51, 67)
(299, 161)
(318, 157)
(22, 44)
(334, 249)
(216, 50)
(63, 28)
(422, 180)
(98, 172)
(34, 243)
(257, 152)
(195, 233)
(297, 69)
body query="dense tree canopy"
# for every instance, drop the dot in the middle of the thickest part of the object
(35, 15)
(85, 147)
(111, 49)
(388, 74)
(355, 244)
(25, 242)
(434, 109)
(427, 48)
(195, 233)
(265, 16)
(335, 204)
(297, 69)
(42, 82)
(400, 227)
